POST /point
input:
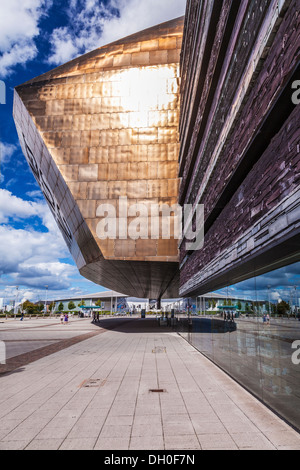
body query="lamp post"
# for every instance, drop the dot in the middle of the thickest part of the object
(296, 308)
(45, 305)
(16, 301)
(269, 299)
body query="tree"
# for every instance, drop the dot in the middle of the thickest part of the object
(60, 307)
(39, 307)
(283, 307)
(51, 306)
(71, 305)
(273, 308)
(29, 307)
(239, 305)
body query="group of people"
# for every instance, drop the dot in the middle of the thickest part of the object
(64, 318)
(95, 317)
(228, 316)
(266, 319)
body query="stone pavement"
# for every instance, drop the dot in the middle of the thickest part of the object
(126, 384)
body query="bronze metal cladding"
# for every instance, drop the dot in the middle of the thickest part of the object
(101, 127)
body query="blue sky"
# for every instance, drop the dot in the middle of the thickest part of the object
(277, 285)
(36, 36)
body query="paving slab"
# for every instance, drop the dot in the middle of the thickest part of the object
(124, 384)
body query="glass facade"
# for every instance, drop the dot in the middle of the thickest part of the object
(260, 353)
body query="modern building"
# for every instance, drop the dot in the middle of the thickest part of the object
(197, 112)
(105, 300)
(239, 159)
(239, 139)
(110, 301)
(100, 134)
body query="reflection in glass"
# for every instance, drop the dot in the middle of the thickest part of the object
(255, 342)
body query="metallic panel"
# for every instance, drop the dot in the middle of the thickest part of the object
(108, 120)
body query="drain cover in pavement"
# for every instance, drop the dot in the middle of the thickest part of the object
(93, 383)
(159, 349)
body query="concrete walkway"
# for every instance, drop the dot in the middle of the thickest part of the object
(136, 386)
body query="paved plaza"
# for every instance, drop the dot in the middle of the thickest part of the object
(123, 384)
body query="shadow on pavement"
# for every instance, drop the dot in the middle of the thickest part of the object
(133, 325)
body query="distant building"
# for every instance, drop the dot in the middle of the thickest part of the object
(108, 301)
(111, 301)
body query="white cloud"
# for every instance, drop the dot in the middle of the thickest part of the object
(13, 207)
(27, 248)
(18, 54)
(36, 194)
(89, 24)
(32, 257)
(63, 46)
(53, 274)
(136, 15)
(18, 29)
(6, 152)
(86, 19)
(93, 24)
(277, 284)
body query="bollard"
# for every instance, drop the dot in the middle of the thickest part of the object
(2, 353)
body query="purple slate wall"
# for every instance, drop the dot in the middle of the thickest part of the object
(240, 137)
(274, 176)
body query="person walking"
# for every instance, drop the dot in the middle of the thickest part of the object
(66, 319)
(61, 318)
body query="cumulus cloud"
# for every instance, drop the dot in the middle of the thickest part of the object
(93, 24)
(15, 208)
(54, 275)
(278, 284)
(136, 15)
(18, 29)
(88, 24)
(31, 257)
(18, 54)
(21, 248)
(36, 293)
(86, 19)
(35, 194)
(10, 293)
(6, 152)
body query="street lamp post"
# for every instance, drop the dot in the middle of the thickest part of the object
(16, 301)
(296, 308)
(45, 305)
(269, 300)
